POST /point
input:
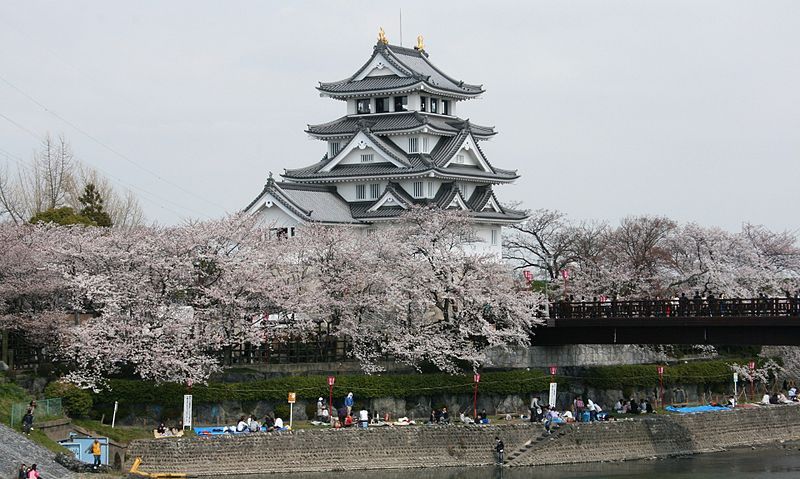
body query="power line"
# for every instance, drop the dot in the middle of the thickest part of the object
(144, 193)
(104, 145)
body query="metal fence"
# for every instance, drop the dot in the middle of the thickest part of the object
(45, 409)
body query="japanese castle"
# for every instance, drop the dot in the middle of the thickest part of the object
(400, 144)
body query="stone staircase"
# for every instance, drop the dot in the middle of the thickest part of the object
(530, 445)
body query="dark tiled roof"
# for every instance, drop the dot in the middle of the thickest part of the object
(480, 197)
(391, 122)
(412, 63)
(309, 202)
(388, 82)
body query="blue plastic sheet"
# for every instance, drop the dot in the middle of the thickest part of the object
(693, 409)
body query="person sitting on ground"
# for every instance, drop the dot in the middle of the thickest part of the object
(320, 407)
(23, 471)
(774, 398)
(568, 417)
(269, 423)
(619, 407)
(278, 423)
(642, 406)
(325, 416)
(466, 419)
(633, 406)
(648, 408)
(792, 393)
(348, 421)
(432, 418)
(549, 419)
(161, 429)
(241, 426)
(484, 418)
(363, 418)
(765, 399)
(337, 424)
(444, 416)
(782, 399)
(33, 473)
(731, 401)
(254, 425)
(342, 413)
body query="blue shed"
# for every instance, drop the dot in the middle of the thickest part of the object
(81, 446)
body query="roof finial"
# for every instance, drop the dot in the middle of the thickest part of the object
(420, 43)
(382, 36)
(270, 180)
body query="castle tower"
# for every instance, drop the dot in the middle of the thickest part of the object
(400, 143)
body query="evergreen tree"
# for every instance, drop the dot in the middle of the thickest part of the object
(92, 206)
(62, 216)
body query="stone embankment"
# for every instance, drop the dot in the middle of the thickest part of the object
(16, 448)
(437, 446)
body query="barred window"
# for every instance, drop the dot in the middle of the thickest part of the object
(361, 192)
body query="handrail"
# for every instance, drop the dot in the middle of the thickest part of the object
(683, 307)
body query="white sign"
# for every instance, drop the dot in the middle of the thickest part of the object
(187, 411)
(736, 377)
(553, 389)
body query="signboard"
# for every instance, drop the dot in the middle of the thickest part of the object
(751, 365)
(331, 380)
(552, 370)
(292, 397)
(187, 411)
(661, 370)
(476, 378)
(736, 377)
(553, 390)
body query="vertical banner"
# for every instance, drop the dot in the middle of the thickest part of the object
(553, 389)
(187, 411)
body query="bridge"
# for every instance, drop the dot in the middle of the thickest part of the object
(756, 321)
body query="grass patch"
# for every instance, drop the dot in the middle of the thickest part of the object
(10, 394)
(41, 439)
(118, 434)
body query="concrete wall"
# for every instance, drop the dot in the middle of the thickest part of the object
(435, 446)
(574, 355)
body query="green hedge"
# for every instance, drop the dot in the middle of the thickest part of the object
(311, 387)
(700, 372)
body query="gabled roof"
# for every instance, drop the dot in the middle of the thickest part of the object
(365, 138)
(401, 122)
(310, 203)
(413, 68)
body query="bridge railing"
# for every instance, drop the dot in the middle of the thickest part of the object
(677, 308)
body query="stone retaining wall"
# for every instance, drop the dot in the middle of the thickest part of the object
(433, 446)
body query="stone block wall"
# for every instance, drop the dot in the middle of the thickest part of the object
(667, 436)
(324, 450)
(436, 446)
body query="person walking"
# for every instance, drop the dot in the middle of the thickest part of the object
(23, 471)
(27, 422)
(500, 449)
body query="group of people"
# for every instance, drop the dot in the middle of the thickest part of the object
(781, 397)
(26, 472)
(439, 416)
(344, 416)
(251, 424)
(633, 406)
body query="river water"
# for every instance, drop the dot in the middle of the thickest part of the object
(739, 464)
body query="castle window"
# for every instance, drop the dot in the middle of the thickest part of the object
(494, 236)
(382, 105)
(425, 148)
(374, 190)
(361, 192)
(423, 103)
(418, 190)
(335, 146)
(445, 107)
(400, 103)
(460, 159)
(430, 189)
(434, 105)
(362, 106)
(367, 158)
(413, 145)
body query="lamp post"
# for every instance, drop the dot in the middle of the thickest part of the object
(331, 380)
(476, 378)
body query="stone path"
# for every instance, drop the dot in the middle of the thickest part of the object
(16, 448)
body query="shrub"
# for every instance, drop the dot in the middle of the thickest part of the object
(282, 411)
(76, 402)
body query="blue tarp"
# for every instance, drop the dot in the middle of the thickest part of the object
(693, 409)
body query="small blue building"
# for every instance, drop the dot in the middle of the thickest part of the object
(81, 446)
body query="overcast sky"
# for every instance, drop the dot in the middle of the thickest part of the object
(608, 108)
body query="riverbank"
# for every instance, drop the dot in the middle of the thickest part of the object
(441, 446)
